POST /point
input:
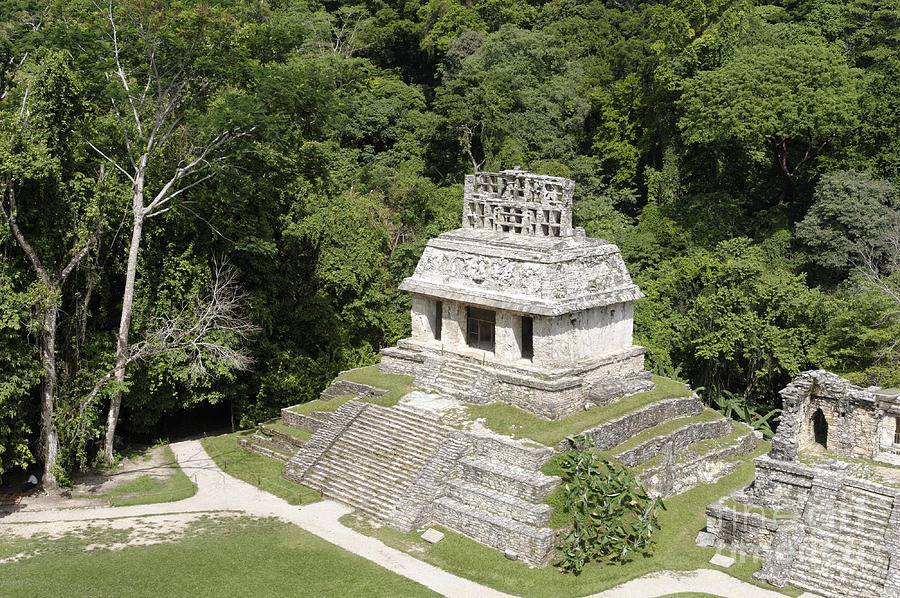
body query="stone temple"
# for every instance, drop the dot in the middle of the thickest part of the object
(518, 306)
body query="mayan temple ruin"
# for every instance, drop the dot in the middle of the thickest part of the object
(515, 312)
(824, 510)
(521, 307)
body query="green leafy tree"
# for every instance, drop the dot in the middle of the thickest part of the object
(20, 372)
(52, 208)
(780, 103)
(850, 213)
(736, 318)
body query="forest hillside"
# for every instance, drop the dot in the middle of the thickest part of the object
(213, 202)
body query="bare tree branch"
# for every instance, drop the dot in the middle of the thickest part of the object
(211, 332)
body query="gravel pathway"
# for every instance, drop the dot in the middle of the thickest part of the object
(217, 491)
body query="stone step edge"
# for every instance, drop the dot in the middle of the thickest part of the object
(322, 440)
(385, 424)
(353, 460)
(682, 437)
(529, 485)
(261, 450)
(536, 544)
(414, 509)
(283, 437)
(499, 503)
(405, 417)
(389, 439)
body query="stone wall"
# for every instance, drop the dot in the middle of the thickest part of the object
(782, 485)
(549, 403)
(679, 472)
(745, 532)
(892, 539)
(617, 431)
(340, 388)
(845, 542)
(508, 451)
(398, 361)
(677, 440)
(521, 541)
(301, 422)
(852, 413)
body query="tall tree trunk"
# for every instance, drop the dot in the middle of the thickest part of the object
(49, 436)
(125, 321)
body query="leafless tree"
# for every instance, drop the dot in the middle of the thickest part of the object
(467, 133)
(33, 21)
(149, 118)
(339, 33)
(210, 332)
(875, 267)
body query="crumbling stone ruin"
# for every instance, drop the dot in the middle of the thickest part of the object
(519, 306)
(820, 527)
(821, 407)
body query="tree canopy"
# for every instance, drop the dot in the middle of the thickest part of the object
(744, 156)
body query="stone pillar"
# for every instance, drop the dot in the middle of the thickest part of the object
(776, 567)
(786, 443)
(468, 191)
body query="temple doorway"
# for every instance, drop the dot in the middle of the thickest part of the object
(480, 328)
(820, 428)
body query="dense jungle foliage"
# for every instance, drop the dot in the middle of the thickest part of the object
(743, 155)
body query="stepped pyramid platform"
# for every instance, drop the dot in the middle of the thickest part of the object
(411, 458)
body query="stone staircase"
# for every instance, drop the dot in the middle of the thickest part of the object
(459, 379)
(455, 378)
(853, 538)
(368, 456)
(401, 466)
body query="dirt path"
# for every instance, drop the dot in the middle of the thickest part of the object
(218, 491)
(91, 487)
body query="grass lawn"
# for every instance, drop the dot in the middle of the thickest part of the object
(396, 385)
(280, 427)
(506, 419)
(320, 405)
(254, 469)
(675, 549)
(237, 557)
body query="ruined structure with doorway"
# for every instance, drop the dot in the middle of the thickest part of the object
(519, 306)
(823, 512)
(514, 309)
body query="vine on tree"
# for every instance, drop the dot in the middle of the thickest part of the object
(613, 514)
